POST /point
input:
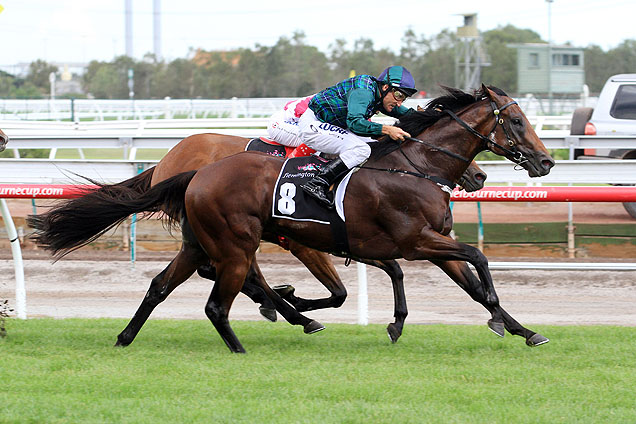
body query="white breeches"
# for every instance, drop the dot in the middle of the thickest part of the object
(283, 129)
(323, 137)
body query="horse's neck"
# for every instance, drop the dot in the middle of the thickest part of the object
(416, 157)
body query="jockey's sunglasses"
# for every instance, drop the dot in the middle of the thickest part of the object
(400, 96)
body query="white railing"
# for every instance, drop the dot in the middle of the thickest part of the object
(165, 133)
(99, 109)
(22, 127)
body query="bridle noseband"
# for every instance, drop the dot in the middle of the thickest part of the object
(513, 153)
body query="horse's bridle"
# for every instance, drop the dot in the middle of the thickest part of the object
(513, 154)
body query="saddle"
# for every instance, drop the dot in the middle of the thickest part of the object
(265, 145)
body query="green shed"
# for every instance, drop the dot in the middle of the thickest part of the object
(564, 74)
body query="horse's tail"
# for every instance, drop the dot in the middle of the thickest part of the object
(77, 222)
(140, 183)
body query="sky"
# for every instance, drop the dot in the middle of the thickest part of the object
(62, 31)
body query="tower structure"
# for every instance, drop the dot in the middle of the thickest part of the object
(128, 27)
(470, 56)
(156, 28)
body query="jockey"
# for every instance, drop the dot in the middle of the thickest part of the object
(283, 127)
(337, 122)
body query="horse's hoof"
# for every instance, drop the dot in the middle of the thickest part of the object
(537, 340)
(497, 328)
(268, 313)
(284, 290)
(393, 332)
(313, 327)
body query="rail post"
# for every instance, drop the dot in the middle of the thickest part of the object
(20, 289)
(363, 298)
(571, 228)
(480, 229)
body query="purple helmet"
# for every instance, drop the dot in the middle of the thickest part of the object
(399, 77)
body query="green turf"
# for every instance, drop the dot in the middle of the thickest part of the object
(180, 371)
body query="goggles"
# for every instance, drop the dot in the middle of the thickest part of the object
(399, 95)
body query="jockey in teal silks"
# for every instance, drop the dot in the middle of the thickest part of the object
(337, 122)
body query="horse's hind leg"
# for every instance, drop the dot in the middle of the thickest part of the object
(257, 289)
(179, 270)
(319, 264)
(288, 312)
(252, 288)
(231, 272)
(230, 276)
(460, 273)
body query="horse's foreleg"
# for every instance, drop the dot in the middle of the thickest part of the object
(321, 267)
(434, 246)
(400, 311)
(460, 273)
(179, 270)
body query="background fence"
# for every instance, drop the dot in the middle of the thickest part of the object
(101, 110)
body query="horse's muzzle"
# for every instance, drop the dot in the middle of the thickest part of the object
(539, 165)
(473, 182)
(4, 139)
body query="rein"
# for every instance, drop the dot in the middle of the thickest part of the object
(445, 184)
(448, 152)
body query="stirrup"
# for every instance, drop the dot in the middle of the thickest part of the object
(317, 192)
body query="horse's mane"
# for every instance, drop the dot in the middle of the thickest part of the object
(417, 121)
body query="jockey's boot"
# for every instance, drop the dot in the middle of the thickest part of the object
(319, 185)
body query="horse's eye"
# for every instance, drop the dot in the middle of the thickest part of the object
(516, 121)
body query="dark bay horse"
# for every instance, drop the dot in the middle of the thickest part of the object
(198, 150)
(388, 215)
(4, 139)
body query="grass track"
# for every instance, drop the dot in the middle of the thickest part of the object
(180, 371)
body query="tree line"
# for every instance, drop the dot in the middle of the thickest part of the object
(292, 68)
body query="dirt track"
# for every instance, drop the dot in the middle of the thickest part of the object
(112, 288)
(103, 284)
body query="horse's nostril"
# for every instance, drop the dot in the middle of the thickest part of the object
(547, 163)
(480, 177)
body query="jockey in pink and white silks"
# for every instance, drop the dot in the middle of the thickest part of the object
(337, 122)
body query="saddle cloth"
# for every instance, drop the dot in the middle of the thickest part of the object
(290, 200)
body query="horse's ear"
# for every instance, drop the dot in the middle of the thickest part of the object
(486, 91)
